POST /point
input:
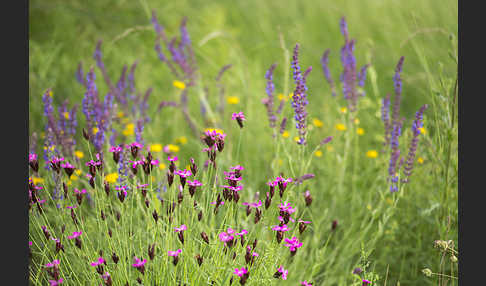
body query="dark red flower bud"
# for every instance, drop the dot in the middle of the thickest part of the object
(92, 182)
(199, 259)
(181, 236)
(147, 203)
(73, 216)
(151, 251)
(334, 224)
(205, 237)
(193, 166)
(155, 216)
(77, 242)
(107, 188)
(258, 215)
(103, 217)
(170, 178)
(65, 188)
(199, 216)
(115, 258)
(85, 134)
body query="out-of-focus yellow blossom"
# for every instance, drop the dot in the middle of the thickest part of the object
(343, 109)
(282, 97)
(329, 148)
(340, 127)
(368, 206)
(120, 114)
(233, 99)
(420, 160)
(66, 115)
(291, 95)
(73, 177)
(179, 84)
(69, 183)
(422, 130)
(36, 180)
(372, 154)
(389, 201)
(214, 129)
(95, 130)
(285, 134)
(111, 178)
(173, 148)
(318, 153)
(129, 129)
(78, 172)
(296, 139)
(79, 154)
(356, 121)
(156, 147)
(162, 166)
(182, 140)
(360, 131)
(317, 122)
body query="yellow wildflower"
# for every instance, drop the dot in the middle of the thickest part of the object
(179, 84)
(79, 154)
(111, 178)
(281, 97)
(69, 183)
(360, 131)
(318, 153)
(120, 114)
(129, 129)
(343, 110)
(422, 130)
(368, 207)
(95, 130)
(36, 180)
(296, 139)
(173, 148)
(291, 95)
(182, 140)
(66, 115)
(420, 160)
(356, 121)
(73, 177)
(156, 147)
(78, 172)
(317, 122)
(329, 148)
(214, 129)
(285, 134)
(233, 99)
(372, 154)
(162, 166)
(340, 127)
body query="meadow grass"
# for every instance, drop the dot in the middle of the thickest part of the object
(389, 235)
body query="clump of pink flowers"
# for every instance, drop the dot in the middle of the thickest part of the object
(293, 244)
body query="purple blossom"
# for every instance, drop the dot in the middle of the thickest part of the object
(181, 228)
(99, 261)
(174, 253)
(293, 244)
(240, 272)
(75, 234)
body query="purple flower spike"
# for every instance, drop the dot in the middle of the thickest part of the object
(325, 69)
(269, 101)
(416, 126)
(299, 99)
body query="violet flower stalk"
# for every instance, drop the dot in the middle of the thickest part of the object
(220, 86)
(269, 101)
(299, 99)
(416, 127)
(325, 69)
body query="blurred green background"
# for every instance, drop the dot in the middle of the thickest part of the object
(246, 35)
